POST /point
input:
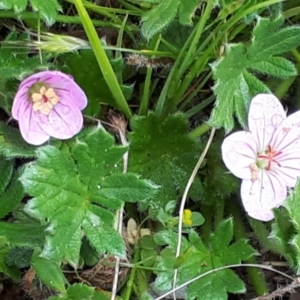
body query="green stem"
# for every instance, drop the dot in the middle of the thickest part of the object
(219, 212)
(61, 18)
(147, 83)
(194, 110)
(255, 275)
(126, 293)
(212, 41)
(103, 9)
(196, 90)
(284, 86)
(103, 61)
(199, 30)
(200, 130)
(207, 212)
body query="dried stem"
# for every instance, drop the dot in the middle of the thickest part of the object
(281, 291)
(120, 213)
(183, 201)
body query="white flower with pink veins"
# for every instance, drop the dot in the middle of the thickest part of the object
(267, 157)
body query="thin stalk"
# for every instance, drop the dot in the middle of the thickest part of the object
(284, 86)
(103, 12)
(255, 275)
(163, 95)
(61, 19)
(119, 44)
(199, 30)
(219, 212)
(98, 8)
(103, 61)
(200, 130)
(194, 110)
(146, 89)
(130, 6)
(195, 91)
(205, 57)
(184, 199)
(126, 293)
(207, 212)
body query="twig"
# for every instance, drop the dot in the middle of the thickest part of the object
(183, 201)
(120, 212)
(219, 269)
(281, 291)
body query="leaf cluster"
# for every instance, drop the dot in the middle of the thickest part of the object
(235, 72)
(46, 9)
(76, 191)
(285, 235)
(196, 258)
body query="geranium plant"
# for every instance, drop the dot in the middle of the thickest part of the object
(125, 128)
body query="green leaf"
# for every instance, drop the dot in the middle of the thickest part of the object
(288, 237)
(187, 10)
(282, 232)
(19, 257)
(6, 167)
(16, 63)
(49, 272)
(216, 286)
(24, 235)
(222, 236)
(12, 196)
(126, 187)
(161, 150)
(17, 5)
(95, 87)
(76, 188)
(80, 291)
(47, 9)
(159, 17)
(197, 258)
(12, 144)
(11, 271)
(235, 85)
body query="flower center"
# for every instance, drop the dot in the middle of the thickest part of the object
(267, 158)
(43, 98)
(264, 161)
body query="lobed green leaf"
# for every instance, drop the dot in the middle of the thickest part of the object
(78, 188)
(235, 85)
(161, 150)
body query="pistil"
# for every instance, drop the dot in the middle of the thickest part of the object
(270, 156)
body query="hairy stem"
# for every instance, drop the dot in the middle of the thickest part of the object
(207, 212)
(255, 275)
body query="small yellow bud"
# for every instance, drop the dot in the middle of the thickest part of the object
(187, 217)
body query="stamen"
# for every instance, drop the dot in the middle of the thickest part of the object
(45, 100)
(254, 172)
(270, 156)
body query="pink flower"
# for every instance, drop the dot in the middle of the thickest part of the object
(267, 157)
(48, 104)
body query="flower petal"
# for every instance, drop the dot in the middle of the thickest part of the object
(289, 168)
(265, 115)
(62, 84)
(20, 103)
(63, 122)
(287, 135)
(264, 194)
(239, 152)
(29, 127)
